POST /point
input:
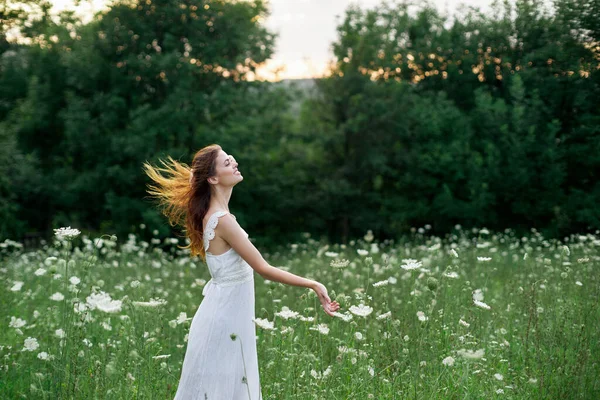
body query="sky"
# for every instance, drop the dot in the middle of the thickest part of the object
(305, 28)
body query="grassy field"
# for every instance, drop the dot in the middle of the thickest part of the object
(474, 315)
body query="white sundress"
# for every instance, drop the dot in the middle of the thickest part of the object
(215, 367)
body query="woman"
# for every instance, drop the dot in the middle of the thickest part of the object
(221, 359)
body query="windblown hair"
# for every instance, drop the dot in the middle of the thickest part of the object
(184, 197)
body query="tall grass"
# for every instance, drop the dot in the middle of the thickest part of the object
(471, 315)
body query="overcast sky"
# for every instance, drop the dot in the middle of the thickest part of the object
(307, 28)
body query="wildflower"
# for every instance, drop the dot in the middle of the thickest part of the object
(463, 323)
(369, 236)
(451, 274)
(500, 391)
(74, 280)
(67, 233)
(483, 259)
(43, 355)
(321, 328)
(481, 304)
(59, 333)
(381, 283)
(499, 377)
(182, 318)
(40, 272)
(362, 252)
(385, 316)
(358, 335)
(470, 354)
(17, 285)
(16, 322)
(566, 250)
(361, 310)
(161, 356)
(448, 361)
(331, 254)
(339, 264)
(392, 280)
(410, 264)
(103, 302)
(264, 323)
(30, 344)
(454, 253)
(345, 317)
(150, 304)
(422, 316)
(286, 313)
(57, 296)
(578, 283)
(478, 295)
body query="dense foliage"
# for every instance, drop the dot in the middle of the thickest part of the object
(483, 120)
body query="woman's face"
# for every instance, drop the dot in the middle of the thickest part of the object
(227, 171)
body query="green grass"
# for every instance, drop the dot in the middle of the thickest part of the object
(540, 337)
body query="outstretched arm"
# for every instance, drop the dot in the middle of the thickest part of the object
(230, 231)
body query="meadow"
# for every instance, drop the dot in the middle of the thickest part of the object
(475, 314)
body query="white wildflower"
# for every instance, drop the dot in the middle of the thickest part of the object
(464, 323)
(40, 272)
(481, 304)
(57, 296)
(411, 264)
(321, 328)
(385, 315)
(339, 264)
(483, 259)
(345, 317)
(264, 323)
(286, 313)
(422, 316)
(74, 280)
(361, 310)
(499, 377)
(152, 303)
(67, 233)
(17, 322)
(381, 283)
(362, 252)
(17, 285)
(30, 344)
(103, 302)
(470, 354)
(449, 361)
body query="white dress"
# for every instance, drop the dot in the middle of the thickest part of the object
(215, 367)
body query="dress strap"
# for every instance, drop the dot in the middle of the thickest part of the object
(211, 224)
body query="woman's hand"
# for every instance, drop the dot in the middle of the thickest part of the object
(329, 306)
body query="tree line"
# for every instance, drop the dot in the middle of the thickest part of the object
(480, 120)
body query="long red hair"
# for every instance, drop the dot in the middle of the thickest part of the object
(184, 197)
